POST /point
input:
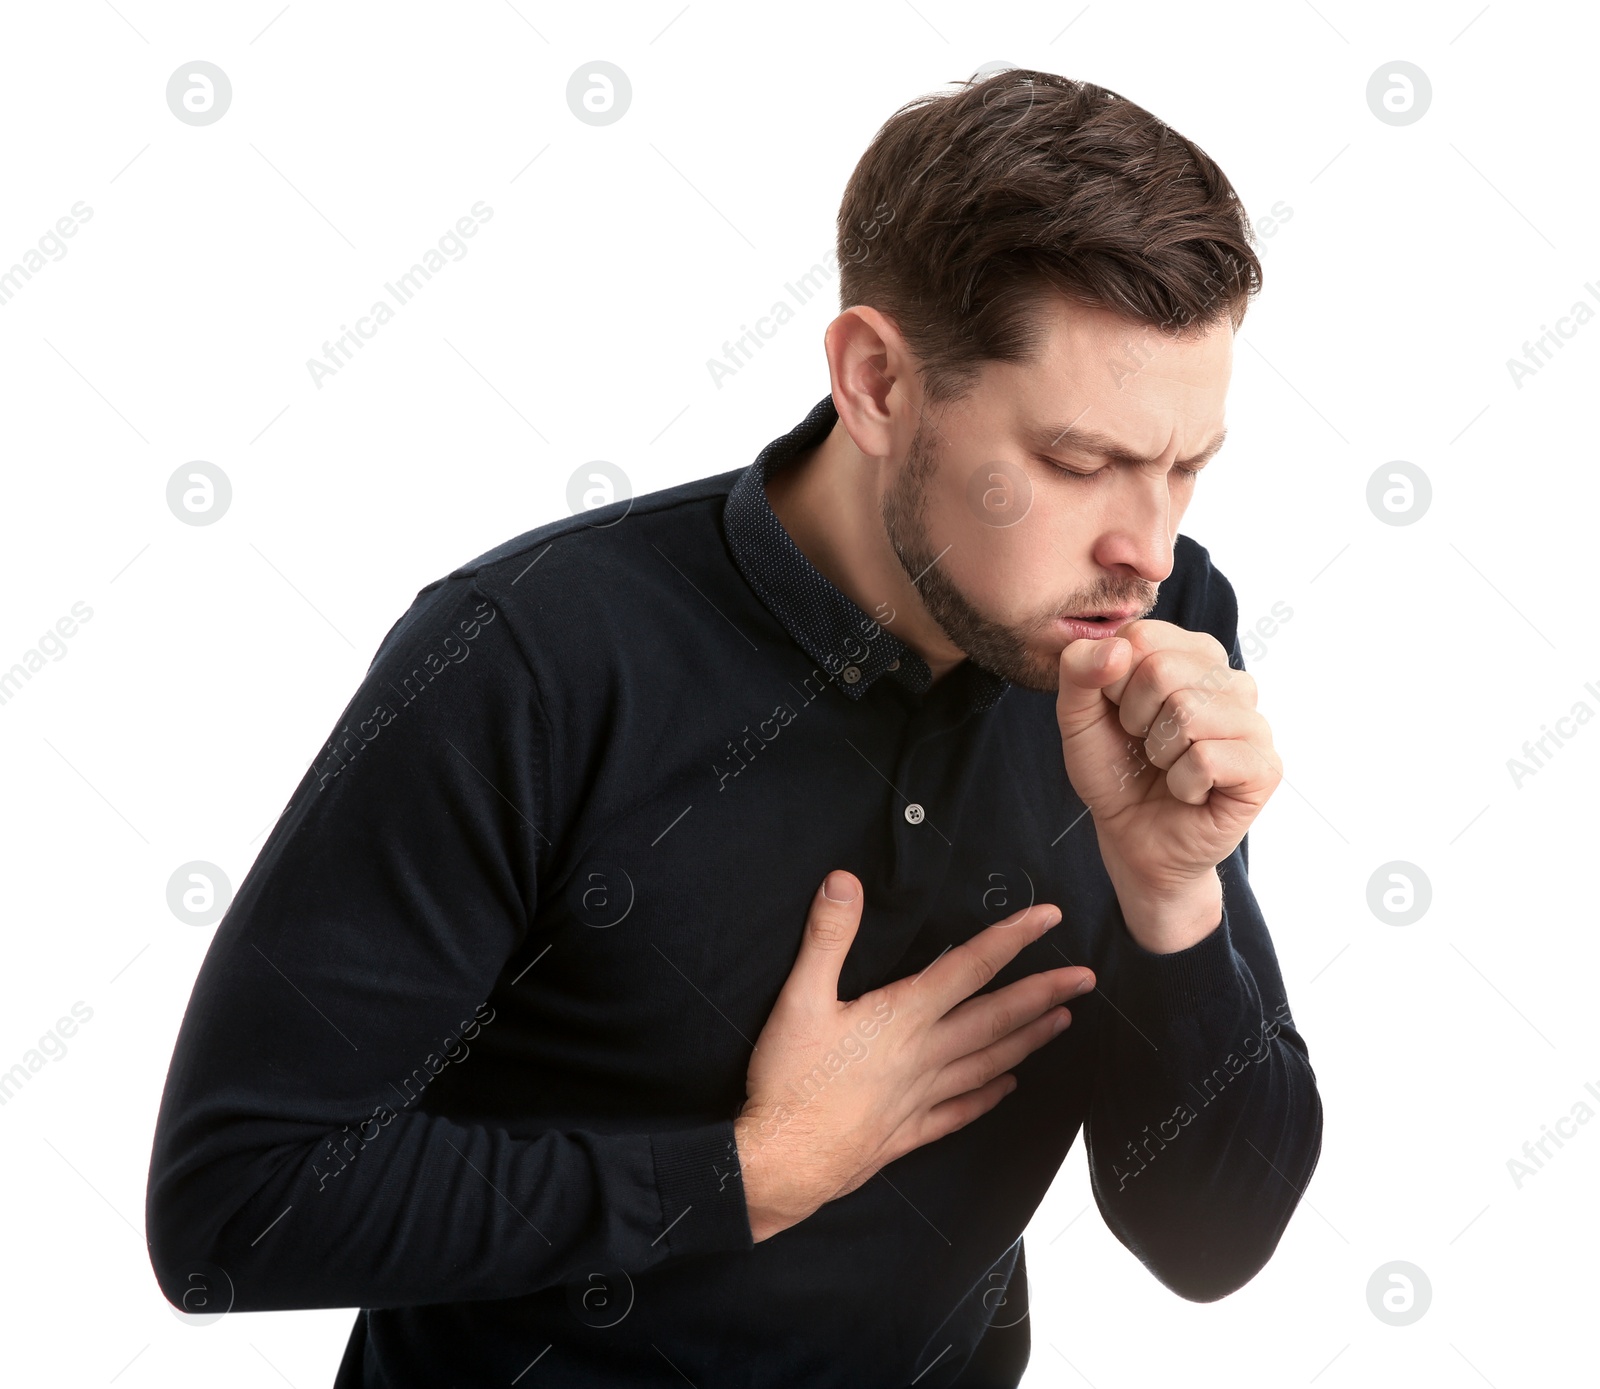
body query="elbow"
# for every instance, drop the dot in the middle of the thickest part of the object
(205, 1218)
(195, 1287)
(1205, 1243)
(192, 1232)
(184, 1257)
(1202, 1260)
(187, 1273)
(1223, 1260)
(1197, 1277)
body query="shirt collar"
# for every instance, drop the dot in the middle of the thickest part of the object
(850, 645)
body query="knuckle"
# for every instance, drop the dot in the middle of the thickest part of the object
(1157, 666)
(828, 930)
(1143, 634)
(1185, 705)
(1002, 1021)
(979, 971)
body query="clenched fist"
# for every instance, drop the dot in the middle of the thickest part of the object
(1162, 741)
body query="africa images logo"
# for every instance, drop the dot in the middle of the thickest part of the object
(346, 745)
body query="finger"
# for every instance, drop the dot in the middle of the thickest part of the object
(978, 1068)
(989, 1017)
(1147, 636)
(1188, 718)
(1231, 766)
(970, 966)
(830, 930)
(1163, 673)
(1087, 666)
(950, 1115)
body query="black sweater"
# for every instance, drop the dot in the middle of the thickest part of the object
(467, 1047)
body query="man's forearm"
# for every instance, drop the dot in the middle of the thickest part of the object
(423, 1208)
(1206, 1122)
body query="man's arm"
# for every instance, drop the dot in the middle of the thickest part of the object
(1206, 1123)
(291, 1153)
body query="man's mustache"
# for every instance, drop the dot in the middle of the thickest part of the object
(1144, 599)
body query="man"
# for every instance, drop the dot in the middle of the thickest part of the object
(662, 972)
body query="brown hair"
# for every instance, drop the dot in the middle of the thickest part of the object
(970, 206)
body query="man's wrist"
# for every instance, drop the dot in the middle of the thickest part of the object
(1163, 925)
(755, 1162)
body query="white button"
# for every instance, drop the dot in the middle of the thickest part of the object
(852, 674)
(894, 664)
(915, 813)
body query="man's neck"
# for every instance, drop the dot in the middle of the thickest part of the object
(828, 500)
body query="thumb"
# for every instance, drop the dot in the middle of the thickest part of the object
(830, 931)
(1088, 665)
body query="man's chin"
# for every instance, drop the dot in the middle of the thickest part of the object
(1039, 670)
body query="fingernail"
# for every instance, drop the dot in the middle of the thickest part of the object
(1083, 987)
(1053, 919)
(839, 887)
(1063, 1020)
(1108, 650)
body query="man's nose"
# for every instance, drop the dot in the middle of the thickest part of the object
(1138, 536)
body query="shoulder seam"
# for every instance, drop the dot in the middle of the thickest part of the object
(545, 773)
(613, 512)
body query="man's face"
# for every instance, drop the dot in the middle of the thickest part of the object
(1007, 524)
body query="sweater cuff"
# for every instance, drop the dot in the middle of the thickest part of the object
(1180, 982)
(701, 1187)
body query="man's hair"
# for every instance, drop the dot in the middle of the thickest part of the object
(970, 208)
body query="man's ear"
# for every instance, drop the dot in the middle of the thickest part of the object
(872, 376)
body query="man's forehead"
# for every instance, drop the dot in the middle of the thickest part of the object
(1121, 389)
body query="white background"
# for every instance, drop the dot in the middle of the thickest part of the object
(1418, 658)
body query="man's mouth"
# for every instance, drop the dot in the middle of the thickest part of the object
(1115, 615)
(1097, 623)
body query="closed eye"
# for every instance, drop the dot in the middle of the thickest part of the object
(1070, 472)
(1184, 474)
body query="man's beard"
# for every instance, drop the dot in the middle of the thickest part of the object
(990, 644)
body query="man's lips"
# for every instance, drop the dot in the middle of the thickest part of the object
(1102, 624)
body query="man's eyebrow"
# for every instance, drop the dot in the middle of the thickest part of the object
(1079, 440)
